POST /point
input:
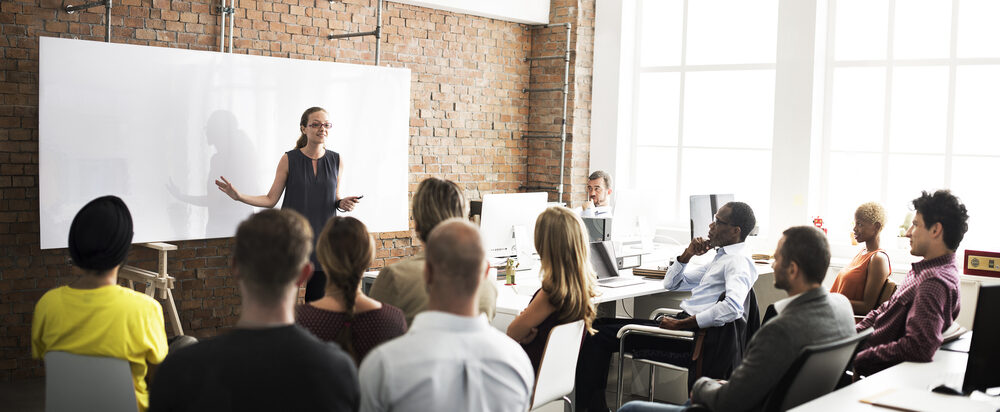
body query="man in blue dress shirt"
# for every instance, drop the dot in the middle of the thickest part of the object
(731, 274)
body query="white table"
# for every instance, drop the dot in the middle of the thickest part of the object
(947, 367)
(512, 299)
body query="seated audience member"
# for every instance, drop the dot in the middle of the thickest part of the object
(94, 316)
(730, 273)
(862, 280)
(266, 362)
(345, 315)
(567, 282)
(809, 316)
(451, 359)
(402, 284)
(598, 195)
(909, 327)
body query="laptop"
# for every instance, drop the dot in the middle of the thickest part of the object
(602, 257)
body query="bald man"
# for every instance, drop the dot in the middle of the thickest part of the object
(451, 358)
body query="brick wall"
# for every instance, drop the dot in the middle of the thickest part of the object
(468, 113)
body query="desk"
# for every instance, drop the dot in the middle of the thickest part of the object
(947, 367)
(512, 299)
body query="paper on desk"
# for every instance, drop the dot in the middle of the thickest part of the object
(917, 400)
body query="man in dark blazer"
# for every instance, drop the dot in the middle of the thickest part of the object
(809, 316)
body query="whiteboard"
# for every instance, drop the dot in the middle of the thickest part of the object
(156, 126)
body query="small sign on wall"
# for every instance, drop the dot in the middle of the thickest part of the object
(982, 263)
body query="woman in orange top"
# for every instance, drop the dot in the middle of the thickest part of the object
(861, 280)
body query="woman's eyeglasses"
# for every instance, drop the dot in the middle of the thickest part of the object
(326, 125)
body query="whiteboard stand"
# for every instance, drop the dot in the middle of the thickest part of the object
(156, 281)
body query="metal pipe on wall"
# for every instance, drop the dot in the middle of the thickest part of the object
(377, 33)
(107, 14)
(222, 27)
(565, 92)
(232, 17)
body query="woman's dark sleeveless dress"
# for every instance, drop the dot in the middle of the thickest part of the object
(314, 195)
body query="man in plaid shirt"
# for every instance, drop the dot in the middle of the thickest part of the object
(909, 326)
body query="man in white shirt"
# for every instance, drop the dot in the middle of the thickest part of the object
(598, 195)
(731, 274)
(450, 359)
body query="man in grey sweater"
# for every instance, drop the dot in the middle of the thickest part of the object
(810, 315)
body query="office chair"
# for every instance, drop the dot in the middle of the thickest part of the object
(814, 373)
(88, 383)
(557, 371)
(743, 328)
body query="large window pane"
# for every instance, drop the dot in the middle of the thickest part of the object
(656, 174)
(732, 31)
(919, 109)
(978, 30)
(908, 175)
(977, 110)
(922, 29)
(968, 175)
(855, 178)
(744, 173)
(861, 29)
(659, 108)
(857, 115)
(662, 27)
(729, 109)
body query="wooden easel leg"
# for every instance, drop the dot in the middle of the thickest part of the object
(175, 320)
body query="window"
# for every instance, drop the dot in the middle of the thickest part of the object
(911, 103)
(704, 102)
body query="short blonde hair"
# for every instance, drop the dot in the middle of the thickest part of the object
(871, 212)
(568, 277)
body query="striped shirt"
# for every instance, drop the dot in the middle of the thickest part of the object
(909, 326)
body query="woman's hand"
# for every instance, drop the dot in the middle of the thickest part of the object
(348, 203)
(227, 188)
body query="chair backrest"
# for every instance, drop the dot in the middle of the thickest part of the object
(557, 371)
(814, 373)
(888, 288)
(88, 383)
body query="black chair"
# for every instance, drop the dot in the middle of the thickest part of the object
(814, 373)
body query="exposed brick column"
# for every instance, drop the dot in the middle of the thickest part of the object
(545, 108)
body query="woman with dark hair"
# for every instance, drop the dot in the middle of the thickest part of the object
(344, 315)
(309, 175)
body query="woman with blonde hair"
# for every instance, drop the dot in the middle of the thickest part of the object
(345, 315)
(863, 279)
(567, 282)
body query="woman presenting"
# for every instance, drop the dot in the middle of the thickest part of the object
(308, 174)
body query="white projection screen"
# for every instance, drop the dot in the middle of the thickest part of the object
(156, 126)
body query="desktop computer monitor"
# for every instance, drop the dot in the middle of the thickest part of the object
(504, 215)
(984, 358)
(703, 208)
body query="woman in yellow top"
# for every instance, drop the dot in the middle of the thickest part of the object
(93, 316)
(862, 280)
(567, 282)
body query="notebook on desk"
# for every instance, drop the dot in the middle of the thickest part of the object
(602, 257)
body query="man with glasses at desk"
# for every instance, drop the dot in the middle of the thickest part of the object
(598, 195)
(718, 292)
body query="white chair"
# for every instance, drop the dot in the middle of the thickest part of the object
(88, 383)
(557, 371)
